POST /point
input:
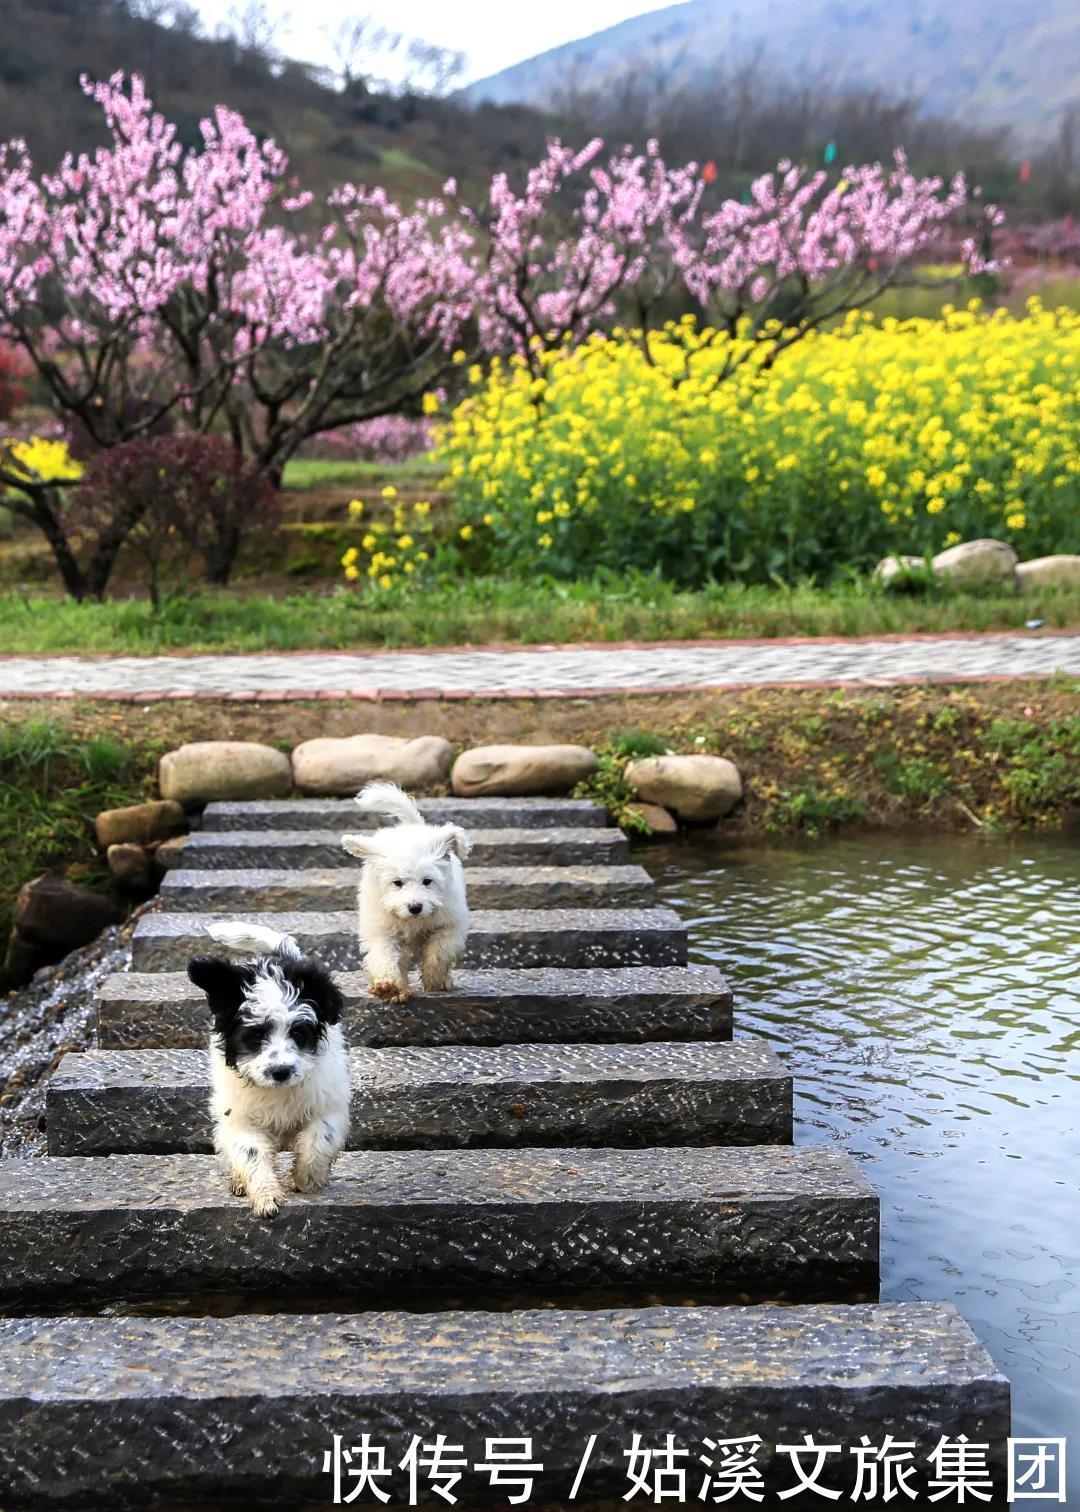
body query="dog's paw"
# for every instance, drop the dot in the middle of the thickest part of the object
(266, 1205)
(305, 1179)
(237, 1186)
(390, 991)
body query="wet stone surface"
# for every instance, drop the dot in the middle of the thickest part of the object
(106, 1102)
(491, 847)
(334, 888)
(519, 938)
(343, 814)
(121, 1410)
(759, 1222)
(545, 1005)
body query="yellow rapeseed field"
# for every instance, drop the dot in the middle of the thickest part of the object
(697, 457)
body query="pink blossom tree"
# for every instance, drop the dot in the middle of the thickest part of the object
(153, 289)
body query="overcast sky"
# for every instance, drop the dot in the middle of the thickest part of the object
(492, 35)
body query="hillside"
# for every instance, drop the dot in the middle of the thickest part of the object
(411, 144)
(982, 62)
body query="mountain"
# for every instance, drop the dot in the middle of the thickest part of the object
(988, 63)
(411, 143)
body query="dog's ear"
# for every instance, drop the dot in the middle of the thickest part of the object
(318, 988)
(451, 839)
(364, 846)
(224, 983)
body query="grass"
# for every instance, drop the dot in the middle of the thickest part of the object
(482, 611)
(303, 473)
(53, 784)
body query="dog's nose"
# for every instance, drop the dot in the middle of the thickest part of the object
(416, 908)
(281, 1073)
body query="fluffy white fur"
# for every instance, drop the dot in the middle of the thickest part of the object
(412, 905)
(279, 1065)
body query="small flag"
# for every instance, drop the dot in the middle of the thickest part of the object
(1025, 172)
(830, 152)
(708, 173)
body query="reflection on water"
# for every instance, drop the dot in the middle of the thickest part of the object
(927, 994)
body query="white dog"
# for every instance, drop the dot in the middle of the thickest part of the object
(412, 904)
(279, 1068)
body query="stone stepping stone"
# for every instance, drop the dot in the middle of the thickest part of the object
(628, 1004)
(768, 1221)
(110, 1102)
(231, 851)
(247, 1406)
(333, 888)
(520, 938)
(343, 814)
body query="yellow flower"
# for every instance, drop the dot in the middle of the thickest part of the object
(1017, 520)
(352, 573)
(369, 542)
(430, 404)
(356, 507)
(546, 541)
(466, 532)
(389, 492)
(459, 357)
(350, 557)
(405, 541)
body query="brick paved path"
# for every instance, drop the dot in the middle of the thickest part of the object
(543, 671)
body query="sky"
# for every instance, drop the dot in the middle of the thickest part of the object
(491, 35)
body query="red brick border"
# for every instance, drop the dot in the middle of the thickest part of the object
(461, 695)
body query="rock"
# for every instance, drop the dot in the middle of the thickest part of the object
(1049, 572)
(897, 569)
(130, 865)
(696, 787)
(210, 769)
(342, 766)
(168, 854)
(57, 915)
(659, 820)
(140, 823)
(977, 562)
(520, 770)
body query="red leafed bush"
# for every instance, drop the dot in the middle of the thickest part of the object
(12, 370)
(169, 496)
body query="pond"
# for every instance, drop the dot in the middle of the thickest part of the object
(926, 994)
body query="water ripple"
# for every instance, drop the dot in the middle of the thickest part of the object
(927, 994)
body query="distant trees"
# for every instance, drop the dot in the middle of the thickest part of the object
(155, 289)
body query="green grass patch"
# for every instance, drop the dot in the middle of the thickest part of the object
(53, 784)
(317, 472)
(485, 610)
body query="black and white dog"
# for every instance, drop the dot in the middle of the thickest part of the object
(279, 1067)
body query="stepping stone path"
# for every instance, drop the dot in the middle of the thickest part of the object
(547, 1163)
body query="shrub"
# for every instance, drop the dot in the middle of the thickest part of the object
(857, 443)
(168, 496)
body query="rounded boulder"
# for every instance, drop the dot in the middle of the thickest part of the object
(339, 767)
(1062, 571)
(140, 823)
(695, 787)
(521, 771)
(209, 771)
(983, 561)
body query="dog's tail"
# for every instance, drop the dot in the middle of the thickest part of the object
(256, 939)
(387, 798)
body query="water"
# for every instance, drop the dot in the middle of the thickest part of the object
(927, 996)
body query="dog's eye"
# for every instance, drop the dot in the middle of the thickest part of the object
(427, 881)
(303, 1036)
(254, 1035)
(398, 882)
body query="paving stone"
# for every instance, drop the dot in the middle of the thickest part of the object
(108, 1102)
(114, 1411)
(517, 938)
(333, 888)
(767, 1221)
(343, 814)
(628, 1004)
(230, 850)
